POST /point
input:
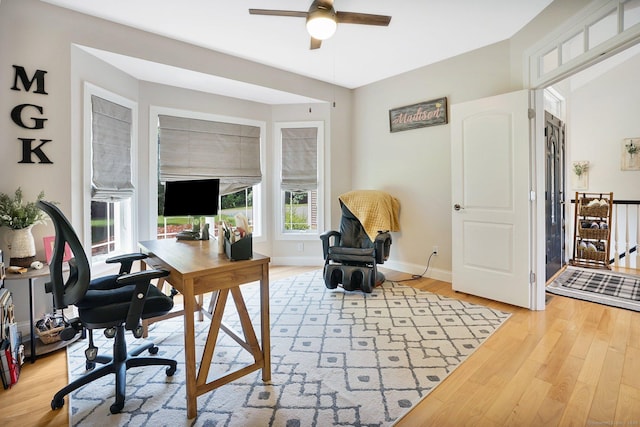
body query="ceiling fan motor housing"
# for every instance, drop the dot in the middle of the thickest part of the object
(321, 20)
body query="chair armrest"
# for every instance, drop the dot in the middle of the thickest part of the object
(126, 261)
(142, 281)
(326, 238)
(382, 244)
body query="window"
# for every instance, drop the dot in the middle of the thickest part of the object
(112, 173)
(300, 162)
(604, 29)
(300, 211)
(110, 228)
(205, 146)
(631, 13)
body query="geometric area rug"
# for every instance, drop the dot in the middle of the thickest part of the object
(338, 358)
(600, 286)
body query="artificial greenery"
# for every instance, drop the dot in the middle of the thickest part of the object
(16, 214)
(580, 167)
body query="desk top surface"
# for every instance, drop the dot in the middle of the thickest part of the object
(194, 256)
(31, 273)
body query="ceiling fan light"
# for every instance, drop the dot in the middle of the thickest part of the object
(321, 24)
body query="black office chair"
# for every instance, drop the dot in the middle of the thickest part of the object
(351, 258)
(115, 302)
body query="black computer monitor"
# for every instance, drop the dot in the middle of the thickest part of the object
(197, 197)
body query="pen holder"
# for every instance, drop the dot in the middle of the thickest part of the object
(240, 249)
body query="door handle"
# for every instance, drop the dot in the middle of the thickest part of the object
(457, 207)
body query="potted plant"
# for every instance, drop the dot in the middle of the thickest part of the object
(20, 217)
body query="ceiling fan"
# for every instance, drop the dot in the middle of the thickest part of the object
(322, 19)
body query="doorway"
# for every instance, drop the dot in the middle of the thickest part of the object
(554, 133)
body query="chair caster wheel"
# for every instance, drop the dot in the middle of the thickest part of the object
(57, 404)
(154, 350)
(89, 365)
(170, 371)
(138, 332)
(91, 353)
(116, 408)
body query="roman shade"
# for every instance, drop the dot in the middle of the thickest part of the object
(111, 178)
(299, 159)
(201, 149)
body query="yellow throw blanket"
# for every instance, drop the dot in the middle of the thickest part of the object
(376, 210)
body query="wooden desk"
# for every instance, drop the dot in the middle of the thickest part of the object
(196, 268)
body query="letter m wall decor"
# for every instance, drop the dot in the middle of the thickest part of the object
(428, 113)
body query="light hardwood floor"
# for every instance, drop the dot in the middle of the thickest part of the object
(574, 364)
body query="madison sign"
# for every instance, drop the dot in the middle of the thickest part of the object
(429, 113)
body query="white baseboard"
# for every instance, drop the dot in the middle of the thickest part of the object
(433, 273)
(298, 261)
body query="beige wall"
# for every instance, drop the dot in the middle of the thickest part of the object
(600, 114)
(37, 35)
(414, 165)
(361, 152)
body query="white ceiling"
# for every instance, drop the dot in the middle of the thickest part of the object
(421, 32)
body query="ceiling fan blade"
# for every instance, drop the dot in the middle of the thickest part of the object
(315, 43)
(293, 13)
(362, 18)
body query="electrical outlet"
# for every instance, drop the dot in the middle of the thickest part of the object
(435, 250)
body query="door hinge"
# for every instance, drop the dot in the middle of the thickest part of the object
(532, 277)
(532, 113)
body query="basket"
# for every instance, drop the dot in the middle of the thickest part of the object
(50, 335)
(597, 211)
(594, 233)
(593, 255)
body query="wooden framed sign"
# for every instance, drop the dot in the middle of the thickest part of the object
(423, 114)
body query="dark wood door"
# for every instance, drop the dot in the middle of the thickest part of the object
(554, 194)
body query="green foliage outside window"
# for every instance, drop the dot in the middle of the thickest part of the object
(294, 221)
(296, 208)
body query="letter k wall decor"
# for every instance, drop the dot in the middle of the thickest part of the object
(428, 113)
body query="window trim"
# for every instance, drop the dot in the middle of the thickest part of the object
(91, 89)
(279, 193)
(259, 203)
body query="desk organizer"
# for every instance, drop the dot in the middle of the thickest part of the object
(240, 249)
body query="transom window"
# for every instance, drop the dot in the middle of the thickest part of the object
(607, 26)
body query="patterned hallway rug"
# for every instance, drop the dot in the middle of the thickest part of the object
(601, 286)
(338, 358)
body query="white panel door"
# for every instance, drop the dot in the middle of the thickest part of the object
(491, 198)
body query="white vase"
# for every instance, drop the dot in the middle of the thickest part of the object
(22, 247)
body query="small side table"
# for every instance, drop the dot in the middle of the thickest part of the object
(36, 348)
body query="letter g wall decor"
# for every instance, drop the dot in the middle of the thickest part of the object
(428, 113)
